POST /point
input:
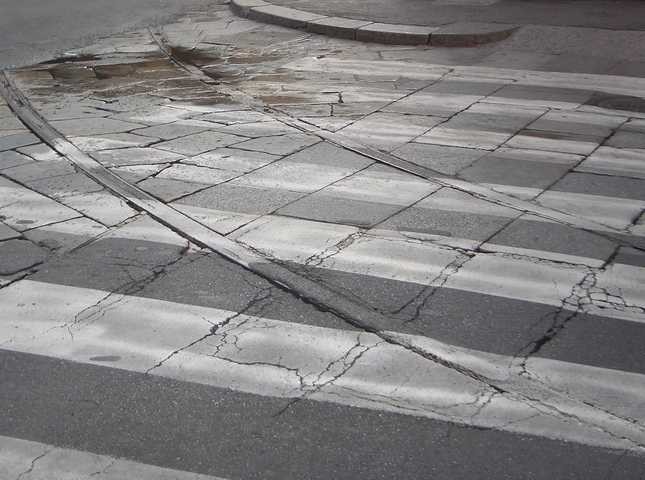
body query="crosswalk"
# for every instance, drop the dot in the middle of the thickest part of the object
(515, 305)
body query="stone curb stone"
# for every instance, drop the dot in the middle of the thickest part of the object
(469, 34)
(458, 34)
(286, 17)
(336, 27)
(241, 8)
(394, 34)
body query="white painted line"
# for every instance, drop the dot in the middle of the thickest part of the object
(406, 259)
(280, 359)
(24, 459)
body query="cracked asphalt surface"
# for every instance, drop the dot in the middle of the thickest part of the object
(232, 250)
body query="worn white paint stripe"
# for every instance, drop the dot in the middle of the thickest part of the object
(409, 259)
(27, 460)
(281, 359)
(582, 81)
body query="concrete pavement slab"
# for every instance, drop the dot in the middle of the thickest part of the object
(93, 126)
(111, 141)
(552, 237)
(10, 158)
(232, 159)
(19, 255)
(66, 235)
(135, 156)
(608, 160)
(280, 145)
(441, 158)
(10, 142)
(197, 143)
(241, 199)
(169, 189)
(515, 168)
(326, 208)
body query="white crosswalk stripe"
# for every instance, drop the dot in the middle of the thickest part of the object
(29, 460)
(280, 359)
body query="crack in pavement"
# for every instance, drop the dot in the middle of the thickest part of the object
(258, 298)
(33, 463)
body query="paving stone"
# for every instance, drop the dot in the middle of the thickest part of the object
(533, 95)
(7, 133)
(325, 153)
(325, 208)
(197, 174)
(445, 223)
(168, 131)
(615, 161)
(440, 158)
(9, 142)
(449, 212)
(515, 168)
(136, 173)
(241, 199)
(22, 209)
(168, 189)
(236, 117)
(135, 156)
(33, 171)
(7, 232)
(257, 129)
(101, 206)
(627, 139)
(153, 115)
(380, 184)
(293, 176)
(578, 123)
(630, 256)
(279, 145)
(634, 125)
(92, 126)
(66, 235)
(10, 159)
(394, 34)
(111, 141)
(10, 122)
(607, 186)
(19, 255)
(553, 237)
(336, 27)
(232, 159)
(554, 142)
(387, 131)
(471, 86)
(199, 143)
(65, 185)
(481, 126)
(39, 152)
(432, 103)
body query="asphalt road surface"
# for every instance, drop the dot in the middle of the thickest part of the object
(34, 30)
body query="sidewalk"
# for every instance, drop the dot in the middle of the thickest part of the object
(594, 37)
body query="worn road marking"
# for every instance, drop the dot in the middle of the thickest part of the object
(281, 359)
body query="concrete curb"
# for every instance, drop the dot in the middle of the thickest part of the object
(458, 34)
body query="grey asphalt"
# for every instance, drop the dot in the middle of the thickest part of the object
(236, 435)
(35, 30)
(606, 14)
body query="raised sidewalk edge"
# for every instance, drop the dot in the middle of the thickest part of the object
(458, 34)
